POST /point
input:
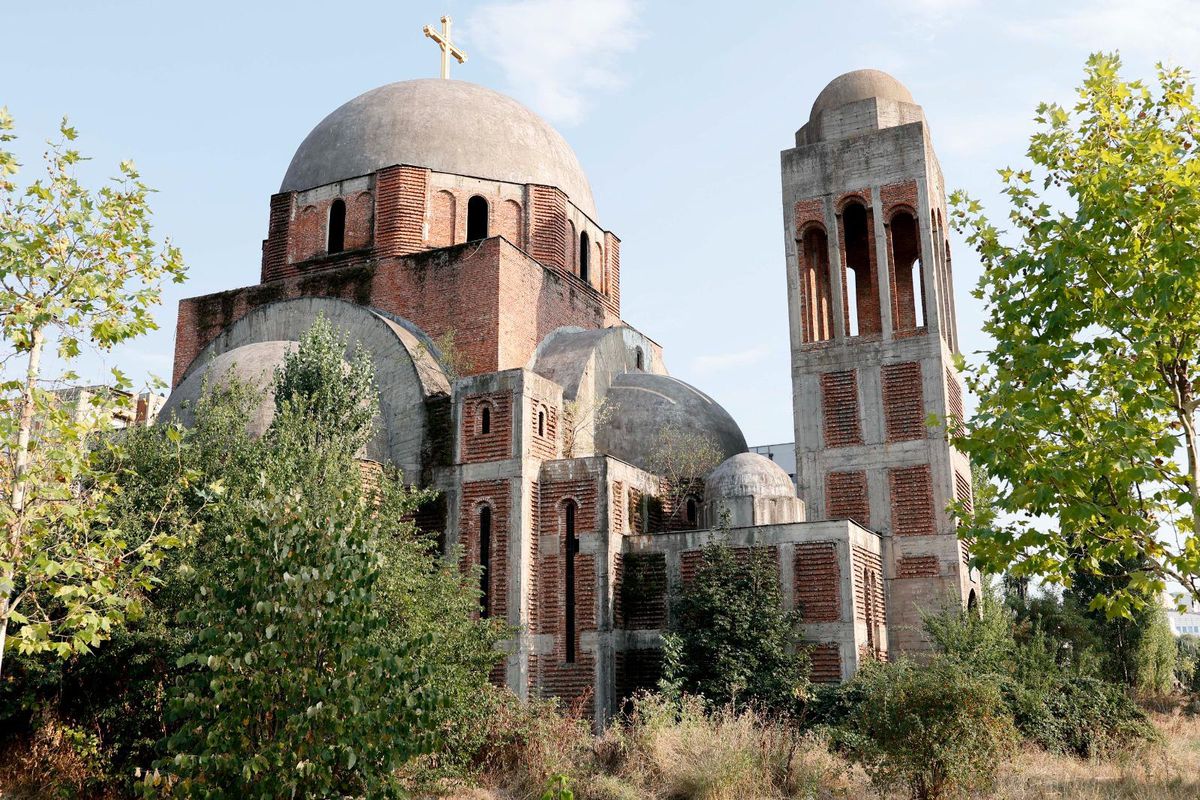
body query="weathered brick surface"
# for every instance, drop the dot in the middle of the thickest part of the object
(846, 497)
(551, 572)
(543, 430)
(570, 683)
(954, 400)
(443, 220)
(275, 247)
(496, 444)
(917, 567)
(869, 600)
(826, 662)
(641, 595)
(903, 401)
(495, 495)
(839, 407)
(818, 581)
(963, 494)
(690, 561)
(401, 194)
(616, 515)
(912, 501)
(548, 237)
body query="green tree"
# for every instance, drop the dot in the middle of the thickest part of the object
(732, 637)
(1087, 403)
(295, 688)
(682, 458)
(76, 267)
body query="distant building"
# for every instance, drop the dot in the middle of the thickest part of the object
(1185, 623)
(782, 454)
(142, 412)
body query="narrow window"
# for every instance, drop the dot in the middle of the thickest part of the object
(571, 546)
(908, 280)
(485, 420)
(863, 301)
(869, 611)
(477, 219)
(584, 255)
(336, 242)
(541, 423)
(485, 562)
(639, 359)
(693, 512)
(814, 280)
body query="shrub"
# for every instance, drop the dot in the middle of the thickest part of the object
(732, 637)
(933, 729)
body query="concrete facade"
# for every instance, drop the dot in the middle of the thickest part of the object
(538, 428)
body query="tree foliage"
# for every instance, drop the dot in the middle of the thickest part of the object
(77, 268)
(1087, 404)
(732, 637)
(682, 458)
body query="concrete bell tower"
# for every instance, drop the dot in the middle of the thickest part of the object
(871, 306)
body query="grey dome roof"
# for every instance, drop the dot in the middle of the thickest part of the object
(445, 125)
(749, 475)
(861, 84)
(644, 403)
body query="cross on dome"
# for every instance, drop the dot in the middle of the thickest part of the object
(447, 47)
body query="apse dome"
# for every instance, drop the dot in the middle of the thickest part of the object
(749, 475)
(445, 125)
(861, 84)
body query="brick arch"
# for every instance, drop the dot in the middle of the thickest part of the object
(306, 234)
(360, 211)
(509, 223)
(895, 209)
(858, 254)
(850, 198)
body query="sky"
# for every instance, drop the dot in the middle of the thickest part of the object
(677, 111)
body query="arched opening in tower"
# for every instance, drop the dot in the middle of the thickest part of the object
(477, 219)
(336, 240)
(862, 293)
(814, 281)
(908, 274)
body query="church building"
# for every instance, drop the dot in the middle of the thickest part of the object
(404, 227)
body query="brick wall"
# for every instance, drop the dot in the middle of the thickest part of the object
(818, 581)
(548, 222)
(912, 501)
(475, 496)
(640, 601)
(917, 567)
(400, 197)
(903, 401)
(954, 400)
(826, 662)
(870, 604)
(544, 417)
(551, 575)
(690, 561)
(275, 247)
(573, 684)
(839, 407)
(496, 444)
(846, 497)
(637, 670)
(443, 219)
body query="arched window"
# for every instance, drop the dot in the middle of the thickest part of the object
(972, 602)
(570, 548)
(485, 561)
(908, 279)
(477, 219)
(639, 358)
(815, 286)
(693, 512)
(862, 294)
(584, 255)
(485, 419)
(541, 423)
(336, 240)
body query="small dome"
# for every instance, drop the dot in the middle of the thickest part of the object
(447, 126)
(749, 475)
(861, 84)
(643, 403)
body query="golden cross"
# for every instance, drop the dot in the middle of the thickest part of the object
(448, 47)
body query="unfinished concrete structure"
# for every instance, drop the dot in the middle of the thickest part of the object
(871, 305)
(402, 223)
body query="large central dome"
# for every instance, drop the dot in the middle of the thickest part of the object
(445, 125)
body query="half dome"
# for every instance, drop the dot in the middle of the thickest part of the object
(444, 125)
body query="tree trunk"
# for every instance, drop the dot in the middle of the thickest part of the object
(21, 466)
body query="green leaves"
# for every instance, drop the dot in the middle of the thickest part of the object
(1087, 401)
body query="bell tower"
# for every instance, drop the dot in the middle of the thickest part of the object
(871, 309)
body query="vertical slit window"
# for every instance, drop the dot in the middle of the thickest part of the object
(584, 255)
(570, 547)
(485, 561)
(485, 419)
(477, 219)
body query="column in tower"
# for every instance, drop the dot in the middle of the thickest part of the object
(873, 336)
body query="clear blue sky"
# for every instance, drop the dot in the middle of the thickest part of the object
(677, 111)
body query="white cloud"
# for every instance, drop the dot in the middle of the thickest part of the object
(556, 52)
(1160, 29)
(706, 365)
